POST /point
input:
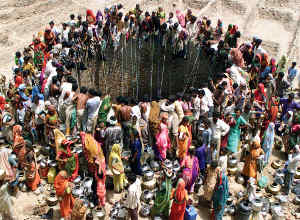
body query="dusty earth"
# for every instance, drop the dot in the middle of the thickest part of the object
(277, 22)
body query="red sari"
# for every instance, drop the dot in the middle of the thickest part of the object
(67, 201)
(179, 203)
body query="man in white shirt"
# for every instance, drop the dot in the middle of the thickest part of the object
(293, 164)
(133, 197)
(208, 96)
(92, 107)
(219, 128)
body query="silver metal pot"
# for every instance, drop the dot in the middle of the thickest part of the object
(232, 162)
(231, 210)
(127, 168)
(77, 180)
(53, 164)
(148, 175)
(297, 200)
(52, 200)
(168, 164)
(145, 168)
(154, 165)
(122, 214)
(257, 205)
(150, 185)
(240, 179)
(145, 210)
(274, 188)
(147, 196)
(77, 191)
(176, 166)
(276, 164)
(99, 213)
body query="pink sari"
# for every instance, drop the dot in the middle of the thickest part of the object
(190, 172)
(163, 140)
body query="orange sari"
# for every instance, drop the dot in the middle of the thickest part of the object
(66, 200)
(19, 147)
(184, 142)
(32, 171)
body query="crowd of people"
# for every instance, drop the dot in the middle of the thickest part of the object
(245, 109)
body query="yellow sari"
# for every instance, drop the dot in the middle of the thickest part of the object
(117, 168)
(183, 142)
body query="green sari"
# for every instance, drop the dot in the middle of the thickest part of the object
(162, 203)
(104, 109)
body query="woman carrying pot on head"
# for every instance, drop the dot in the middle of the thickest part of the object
(180, 197)
(191, 169)
(117, 168)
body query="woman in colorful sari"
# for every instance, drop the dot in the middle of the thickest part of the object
(268, 141)
(51, 124)
(220, 196)
(32, 175)
(63, 192)
(117, 168)
(162, 202)
(191, 169)
(260, 95)
(96, 166)
(235, 131)
(19, 146)
(104, 109)
(250, 168)
(184, 138)
(273, 108)
(180, 197)
(67, 160)
(163, 141)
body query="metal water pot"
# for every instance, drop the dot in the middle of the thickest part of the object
(127, 168)
(87, 182)
(148, 175)
(147, 196)
(77, 191)
(257, 205)
(145, 168)
(99, 213)
(150, 185)
(274, 188)
(232, 162)
(168, 164)
(122, 214)
(244, 210)
(240, 179)
(176, 166)
(154, 165)
(77, 180)
(276, 164)
(52, 200)
(145, 210)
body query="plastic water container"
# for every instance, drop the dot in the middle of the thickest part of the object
(190, 213)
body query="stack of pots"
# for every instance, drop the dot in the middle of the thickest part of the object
(149, 182)
(244, 210)
(232, 165)
(118, 211)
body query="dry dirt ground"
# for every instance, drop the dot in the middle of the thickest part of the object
(277, 22)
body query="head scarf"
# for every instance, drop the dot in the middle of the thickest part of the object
(90, 17)
(180, 190)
